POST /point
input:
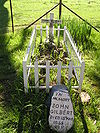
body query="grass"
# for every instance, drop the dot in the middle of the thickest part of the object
(26, 12)
(20, 112)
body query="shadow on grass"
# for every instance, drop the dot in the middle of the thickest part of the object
(30, 111)
(6, 68)
(11, 78)
(4, 18)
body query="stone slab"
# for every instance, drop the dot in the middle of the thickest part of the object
(61, 114)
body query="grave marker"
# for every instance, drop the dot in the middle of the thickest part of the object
(61, 114)
(51, 21)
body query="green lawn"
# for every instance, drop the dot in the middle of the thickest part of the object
(20, 112)
(25, 12)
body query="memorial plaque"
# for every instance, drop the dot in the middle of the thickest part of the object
(61, 114)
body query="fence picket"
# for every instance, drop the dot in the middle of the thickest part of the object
(41, 34)
(72, 44)
(70, 70)
(36, 75)
(58, 33)
(59, 73)
(64, 33)
(47, 75)
(53, 31)
(81, 75)
(25, 76)
(46, 33)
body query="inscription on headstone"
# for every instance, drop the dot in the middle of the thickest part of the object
(61, 115)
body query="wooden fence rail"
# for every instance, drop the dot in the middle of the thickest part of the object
(72, 49)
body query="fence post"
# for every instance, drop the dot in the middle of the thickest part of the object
(46, 32)
(81, 74)
(41, 34)
(25, 76)
(64, 33)
(53, 31)
(47, 75)
(59, 73)
(35, 32)
(70, 70)
(58, 34)
(36, 75)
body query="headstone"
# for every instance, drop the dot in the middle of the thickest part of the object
(51, 21)
(61, 114)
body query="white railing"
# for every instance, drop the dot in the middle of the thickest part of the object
(75, 63)
(27, 59)
(48, 67)
(78, 63)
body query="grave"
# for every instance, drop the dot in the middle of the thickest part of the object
(61, 114)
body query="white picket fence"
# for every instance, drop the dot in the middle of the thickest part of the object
(75, 64)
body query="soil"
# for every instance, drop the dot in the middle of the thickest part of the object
(53, 53)
(49, 51)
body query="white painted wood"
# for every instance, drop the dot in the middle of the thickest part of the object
(51, 16)
(33, 45)
(59, 73)
(81, 74)
(35, 34)
(36, 75)
(47, 75)
(46, 17)
(45, 29)
(41, 87)
(78, 69)
(67, 48)
(46, 33)
(45, 21)
(41, 34)
(76, 75)
(48, 21)
(53, 31)
(25, 76)
(51, 28)
(72, 44)
(70, 70)
(28, 49)
(58, 34)
(64, 33)
(54, 67)
(44, 87)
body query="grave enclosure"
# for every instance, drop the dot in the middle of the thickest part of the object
(74, 66)
(47, 51)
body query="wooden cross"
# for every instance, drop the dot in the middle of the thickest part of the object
(51, 21)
